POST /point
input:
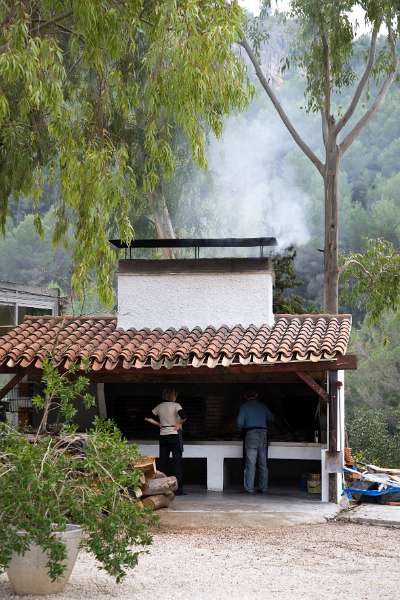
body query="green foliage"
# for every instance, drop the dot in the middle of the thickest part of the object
(373, 393)
(370, 203)
(88, 303)
(60, 390)
(319, 20)
(114, 523)
(376, 381)
(374, 278)
(31, 478)
(44, 486)
(326, 26)
(27, 258)
(77, 77)
(375, 435)
(285, 280)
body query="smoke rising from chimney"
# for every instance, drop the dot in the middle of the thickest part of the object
(253, 190)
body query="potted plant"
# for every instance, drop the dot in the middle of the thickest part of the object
(57, 494)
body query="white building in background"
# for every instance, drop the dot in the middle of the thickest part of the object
(17, 301)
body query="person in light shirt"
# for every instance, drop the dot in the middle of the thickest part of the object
(170, 418)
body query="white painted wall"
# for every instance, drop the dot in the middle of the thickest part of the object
(188, 299)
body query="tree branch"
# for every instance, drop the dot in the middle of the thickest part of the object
(361, 84)
(326, 109)
(278, 107)
(70, 31)
(353, 261)
(8, 18)
(350, 137)
(5, 47)
(327, 82)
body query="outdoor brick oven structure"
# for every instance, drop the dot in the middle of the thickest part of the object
(205, 326)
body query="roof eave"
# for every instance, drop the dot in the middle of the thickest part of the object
(341, 363)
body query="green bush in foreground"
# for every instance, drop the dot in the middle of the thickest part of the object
(44, 486)
(47, 482)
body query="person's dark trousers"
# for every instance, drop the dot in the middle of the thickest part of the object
(171, 444)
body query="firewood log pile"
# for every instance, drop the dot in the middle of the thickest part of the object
(157, 490)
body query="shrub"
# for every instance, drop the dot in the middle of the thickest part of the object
(47, 482)
(44, 486)
(375, 434)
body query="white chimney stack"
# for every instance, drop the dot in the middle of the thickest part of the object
(194, 292)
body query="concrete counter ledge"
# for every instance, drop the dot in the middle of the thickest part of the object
(216, 452)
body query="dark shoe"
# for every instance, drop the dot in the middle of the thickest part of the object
(249, 491)
(180, 493)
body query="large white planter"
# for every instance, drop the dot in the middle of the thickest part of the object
(28, 572)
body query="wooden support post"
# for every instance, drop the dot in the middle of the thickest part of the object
(11, 384)
(310, 381)
(101, 401)
(333, 410)
(334, 457)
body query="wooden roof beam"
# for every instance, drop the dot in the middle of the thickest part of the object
(11, 384)
(316, 387)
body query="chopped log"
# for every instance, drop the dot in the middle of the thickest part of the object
(154, 487)
(142, 479)
(156, 502)
(388, 470)
(137, 492)
(156, 475)
(147, 464)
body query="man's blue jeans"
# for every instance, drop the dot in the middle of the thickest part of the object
(256, 453)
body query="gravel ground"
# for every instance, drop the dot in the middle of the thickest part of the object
(346, 561)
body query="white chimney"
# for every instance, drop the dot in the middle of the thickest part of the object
(190, 292)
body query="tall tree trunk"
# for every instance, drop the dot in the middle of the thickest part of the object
(330, 131)
(162, 218)
(331, 268)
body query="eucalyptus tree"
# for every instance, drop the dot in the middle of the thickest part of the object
(71, 75)
(324, 54)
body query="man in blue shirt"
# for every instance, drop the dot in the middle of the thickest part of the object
(253, 421)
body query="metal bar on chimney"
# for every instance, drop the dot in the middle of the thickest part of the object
(197, 242)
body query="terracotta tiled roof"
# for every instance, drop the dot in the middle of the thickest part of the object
(68, 339)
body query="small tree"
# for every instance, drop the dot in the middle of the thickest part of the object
(286, 279)
(60, 392)
(50, 482)
(324, 55)
(46, 485)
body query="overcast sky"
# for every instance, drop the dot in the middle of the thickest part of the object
(254, 7)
